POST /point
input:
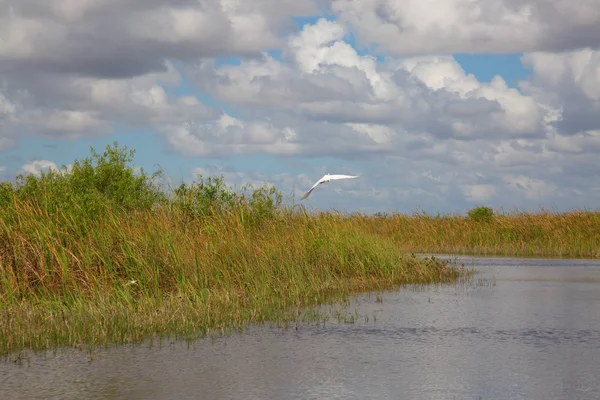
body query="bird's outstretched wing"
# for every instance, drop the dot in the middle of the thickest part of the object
(332, 177)
(327, 178)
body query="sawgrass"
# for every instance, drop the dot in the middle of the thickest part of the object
(99, 254)
(574, 234)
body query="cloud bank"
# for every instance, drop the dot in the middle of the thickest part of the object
(374, 86)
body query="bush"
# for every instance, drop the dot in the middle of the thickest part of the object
(481, 213)
(204, 197)
(88, 188)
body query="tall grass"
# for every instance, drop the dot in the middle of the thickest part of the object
(101, 254)
(573, 234)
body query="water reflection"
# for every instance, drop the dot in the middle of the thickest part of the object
(532, 331)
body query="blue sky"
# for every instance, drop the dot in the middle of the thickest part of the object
(284, 103)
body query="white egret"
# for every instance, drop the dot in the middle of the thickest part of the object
(327, 178)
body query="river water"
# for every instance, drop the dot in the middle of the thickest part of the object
(522, 329)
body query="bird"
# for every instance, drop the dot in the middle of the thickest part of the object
(327, 178)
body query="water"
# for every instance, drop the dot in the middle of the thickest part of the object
(530, 329)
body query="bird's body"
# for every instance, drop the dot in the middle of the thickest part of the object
(327, 178)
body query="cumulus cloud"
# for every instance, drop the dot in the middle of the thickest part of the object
(419, 129)
(427, 95)
(70, 76)
(456, 26)
(421, 113)
(70, 107)
(67, 36)
(227, 135)
(478, 193)
(570, 83)
(38, 166)
(7, 109)
(7, 117)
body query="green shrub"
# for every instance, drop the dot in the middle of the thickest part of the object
(481, 213)
(88, 187)
(204, 197)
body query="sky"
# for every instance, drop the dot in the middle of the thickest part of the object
(438, 105)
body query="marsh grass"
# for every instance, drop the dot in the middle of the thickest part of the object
(102, 254)
(99, 255)
(574, 234)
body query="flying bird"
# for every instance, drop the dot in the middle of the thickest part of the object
(327, 178)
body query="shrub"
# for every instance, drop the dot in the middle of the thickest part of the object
(88, 186)
(204, 197)
(481, 213)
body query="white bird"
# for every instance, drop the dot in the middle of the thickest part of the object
(327, 178)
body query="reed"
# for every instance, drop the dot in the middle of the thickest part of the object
(99, 255)
(574, 234)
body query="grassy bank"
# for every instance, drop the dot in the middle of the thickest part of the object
(544, 234)
(99, 255)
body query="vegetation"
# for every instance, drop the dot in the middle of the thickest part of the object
(481, 214)
(573, 234)
(101, 254)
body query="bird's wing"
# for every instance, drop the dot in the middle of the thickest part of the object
(317, 183)
(322, 180)
(308, 193)
(326, 178)
(342, 176)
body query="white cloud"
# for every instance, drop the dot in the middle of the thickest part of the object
(534, 189)
(75, 122)
(459, 26)
(227, 135)
(385, 103)
(8, 111)
(582, 142)
(518, 114)
(380, 134)
(418, 113)
(478, 193)
(38, 166)
(70, 107)
(7, 108)
(72, 37)
(237, 179)
(569, 83)
(422, 131)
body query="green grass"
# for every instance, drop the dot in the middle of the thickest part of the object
(201, 257)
